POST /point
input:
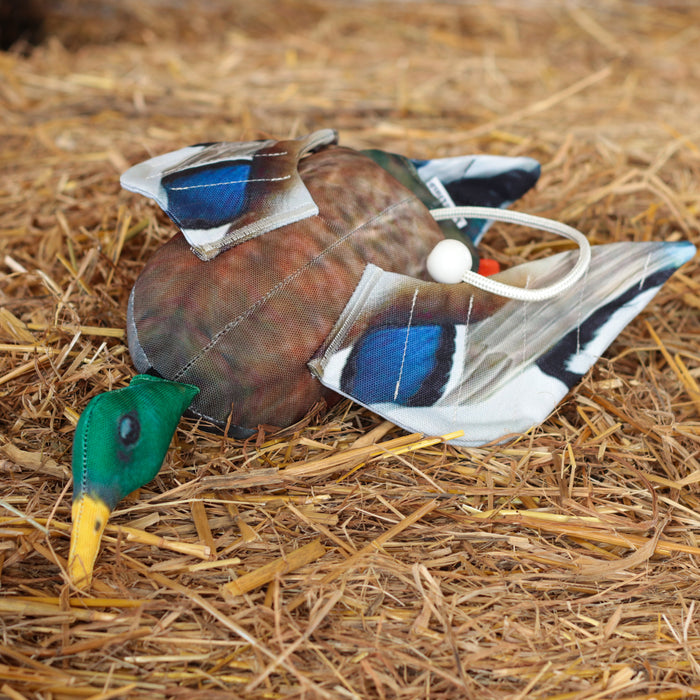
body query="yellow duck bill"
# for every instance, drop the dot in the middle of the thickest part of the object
(89, 519)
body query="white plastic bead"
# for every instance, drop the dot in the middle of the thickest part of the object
(448, 261)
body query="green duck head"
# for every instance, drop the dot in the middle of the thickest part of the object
(120, 444)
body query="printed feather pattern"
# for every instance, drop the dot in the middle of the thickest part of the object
(438, 358)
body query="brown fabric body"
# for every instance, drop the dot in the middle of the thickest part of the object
(243, 326)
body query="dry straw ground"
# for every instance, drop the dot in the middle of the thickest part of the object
(563, 564)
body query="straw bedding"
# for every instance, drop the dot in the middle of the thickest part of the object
(341, 558)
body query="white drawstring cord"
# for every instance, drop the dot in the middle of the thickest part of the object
(514, 217)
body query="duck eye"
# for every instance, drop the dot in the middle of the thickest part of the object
(129, 429)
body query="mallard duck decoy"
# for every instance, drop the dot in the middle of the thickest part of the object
(300, 274)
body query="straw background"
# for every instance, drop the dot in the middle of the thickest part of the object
(563, 564)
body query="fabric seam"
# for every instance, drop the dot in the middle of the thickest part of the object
(281, 285)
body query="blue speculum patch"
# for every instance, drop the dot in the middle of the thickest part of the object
(416, 359)
(208, 196)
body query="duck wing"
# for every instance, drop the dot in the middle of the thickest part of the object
(437, 358)
(221, 194)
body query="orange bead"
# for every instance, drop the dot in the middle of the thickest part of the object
(488, 267)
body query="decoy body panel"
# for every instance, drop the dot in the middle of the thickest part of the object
(243, 325)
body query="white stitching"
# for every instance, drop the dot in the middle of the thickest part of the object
(462, 379)
(579, 320)
(644, 272)
(270, 155)
(230, 182)
(405, 345)
(523, 354)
